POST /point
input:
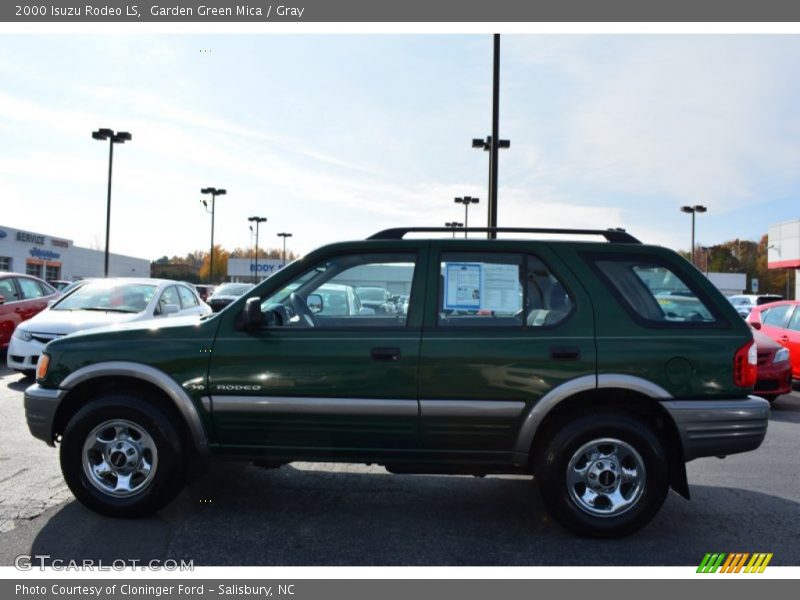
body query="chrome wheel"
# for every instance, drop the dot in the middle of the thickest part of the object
(119, 458)
(606, 477)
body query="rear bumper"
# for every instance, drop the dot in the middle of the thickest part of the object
(719, 427)
(40, 410)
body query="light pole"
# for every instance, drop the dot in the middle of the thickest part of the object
(493, 142)
(119, 137)
(214, 193)
(257, 221)
(454, 225)
(697, 208)
(284, 235)
(466, 201)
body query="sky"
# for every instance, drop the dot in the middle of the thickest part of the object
(334, 137)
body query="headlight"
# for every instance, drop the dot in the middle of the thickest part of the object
(781, 355)
(23, 334)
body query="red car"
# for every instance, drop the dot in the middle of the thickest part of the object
(774, 371)
(21, 297)
(781, 322)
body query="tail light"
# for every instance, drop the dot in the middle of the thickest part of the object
(745, 363)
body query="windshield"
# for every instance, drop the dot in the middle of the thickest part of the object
(109, 296)
(372, 294)
(232, 289)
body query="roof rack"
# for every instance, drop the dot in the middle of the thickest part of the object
(614, 235)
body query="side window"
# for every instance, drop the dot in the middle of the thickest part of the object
(188, 299)
(481, 290)
(8, 290)
(30, 288)
(775, 316)
(46, 289)
(169, 296)
(654, 291)
(548, 300)
(346, 291)
(794, 322)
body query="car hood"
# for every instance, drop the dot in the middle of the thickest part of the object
(146, 325)
(62, 322)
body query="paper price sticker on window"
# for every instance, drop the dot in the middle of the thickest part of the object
(482, 287)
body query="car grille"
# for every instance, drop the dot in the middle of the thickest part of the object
(767, 385)
(43, 338)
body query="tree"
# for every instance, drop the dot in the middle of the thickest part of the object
(220, 266)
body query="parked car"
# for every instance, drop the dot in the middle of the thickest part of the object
(227, 293)
(377, 298)
(21, 298)
(59, 284)
(744, 303)
(781, 322)
(96, 304)
(545, 357)
(204, 291)
(774, 373)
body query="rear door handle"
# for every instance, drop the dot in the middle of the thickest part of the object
(385, 354)
(565, 353)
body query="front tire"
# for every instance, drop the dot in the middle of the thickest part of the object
(121, 456)
(603, 475)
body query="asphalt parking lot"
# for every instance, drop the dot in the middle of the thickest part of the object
(327, 514)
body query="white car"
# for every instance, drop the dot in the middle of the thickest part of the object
(98, 303)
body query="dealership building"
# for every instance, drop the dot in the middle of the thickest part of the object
(50, 258)
(783, 250)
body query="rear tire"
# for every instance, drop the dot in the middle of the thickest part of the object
(603, 475)
(121, 456)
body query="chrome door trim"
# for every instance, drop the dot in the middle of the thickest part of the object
(315, 406)
(471, 408)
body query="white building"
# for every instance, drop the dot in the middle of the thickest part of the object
(783, 249)
(52, 258)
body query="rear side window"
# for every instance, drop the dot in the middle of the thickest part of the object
(30, 289)
(775, 316)
(188, 299)
(654, 291)
(499, 290)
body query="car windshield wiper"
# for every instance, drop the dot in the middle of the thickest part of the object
(109, 309)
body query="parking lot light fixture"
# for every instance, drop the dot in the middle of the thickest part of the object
(257, 221)
(693, 210)
(453, 225)
(284, 235)
(214, 192)
(466, 201)
(119, 137)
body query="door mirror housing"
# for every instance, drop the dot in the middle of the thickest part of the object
(755, 326)
(170, 309)
(314, 303)
(2, 299)
(251, 317)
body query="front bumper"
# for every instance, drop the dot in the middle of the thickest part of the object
(719, 427)
(40, 411)
(23, 356)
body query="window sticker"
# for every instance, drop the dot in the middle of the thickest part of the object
(462, 286)
(482, 287)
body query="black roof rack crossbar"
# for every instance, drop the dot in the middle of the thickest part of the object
(616, 235)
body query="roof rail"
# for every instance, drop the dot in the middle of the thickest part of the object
(614, 235)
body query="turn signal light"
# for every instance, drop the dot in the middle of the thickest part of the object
(745, 363)
(41, 366)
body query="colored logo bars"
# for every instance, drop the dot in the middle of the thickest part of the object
(735, 562)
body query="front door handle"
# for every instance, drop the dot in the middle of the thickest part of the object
(385, 354)
(565, 353)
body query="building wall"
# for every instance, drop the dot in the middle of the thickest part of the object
(53, 257)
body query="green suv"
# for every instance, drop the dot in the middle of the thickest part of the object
(601, 367)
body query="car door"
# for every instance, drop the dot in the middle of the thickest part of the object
(190, 304)
(339, 382)
(10, 310)
(34, 297)
(774, 320)
(502, 329)
(790, 337)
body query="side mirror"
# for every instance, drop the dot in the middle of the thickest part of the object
(2, 299)
(314, 303)
(251, 317)
(170, 309)
(755, 326)
(366, 312)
